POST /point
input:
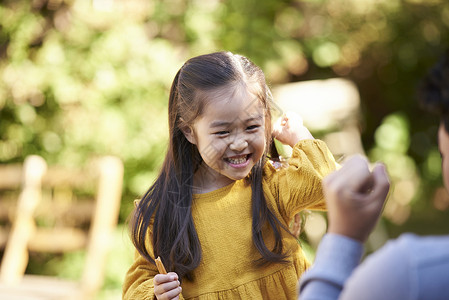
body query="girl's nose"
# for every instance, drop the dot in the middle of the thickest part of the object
(238, 145)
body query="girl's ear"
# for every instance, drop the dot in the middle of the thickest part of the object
(187, 130)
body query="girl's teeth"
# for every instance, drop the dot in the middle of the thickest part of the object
(237, 161)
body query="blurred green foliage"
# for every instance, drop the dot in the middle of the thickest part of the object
(82, 78)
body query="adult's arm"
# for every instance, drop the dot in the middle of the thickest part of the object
(336, 258)
(355, 196)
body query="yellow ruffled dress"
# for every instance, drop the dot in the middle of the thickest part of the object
(223, 222)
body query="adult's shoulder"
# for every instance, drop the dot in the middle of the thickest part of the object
(423, 250)
(413, 245)
(394, 271)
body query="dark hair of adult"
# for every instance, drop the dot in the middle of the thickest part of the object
(433, 92)
(167, 204)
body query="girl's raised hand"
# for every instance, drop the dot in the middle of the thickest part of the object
(167, 286)
(289, 129)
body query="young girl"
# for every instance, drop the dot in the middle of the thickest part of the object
(218, 213)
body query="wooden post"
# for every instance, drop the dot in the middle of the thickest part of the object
(15, 258)
(104, 221)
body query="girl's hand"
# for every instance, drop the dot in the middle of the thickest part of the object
(167, 286)
(355, 197)
(289, 129)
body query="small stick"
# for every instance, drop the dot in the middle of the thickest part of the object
(160, 266)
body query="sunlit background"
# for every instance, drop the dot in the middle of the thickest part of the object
(87, 78)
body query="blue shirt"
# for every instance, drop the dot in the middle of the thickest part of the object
(409, 267)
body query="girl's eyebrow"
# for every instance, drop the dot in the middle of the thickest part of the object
(225, 123)
(220, 124)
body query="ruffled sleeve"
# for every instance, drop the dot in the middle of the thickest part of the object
(138, 283)
(299, 185)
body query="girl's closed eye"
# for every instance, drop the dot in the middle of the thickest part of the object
(252, 127)
(221, 133)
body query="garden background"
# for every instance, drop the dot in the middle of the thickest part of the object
(91, 77)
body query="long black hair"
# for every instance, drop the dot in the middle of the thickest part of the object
(164, 214)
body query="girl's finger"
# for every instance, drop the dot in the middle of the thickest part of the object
(172, 294)
(163, 278)
(168, 286)
(284, 120)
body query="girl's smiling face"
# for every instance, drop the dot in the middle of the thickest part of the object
(229, 135)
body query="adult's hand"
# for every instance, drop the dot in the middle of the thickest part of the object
(355, 197)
